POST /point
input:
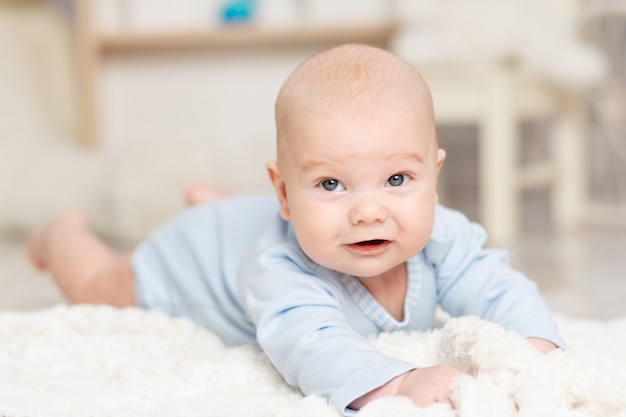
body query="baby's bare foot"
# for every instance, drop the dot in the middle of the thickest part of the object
(37, 246)
(202, 192)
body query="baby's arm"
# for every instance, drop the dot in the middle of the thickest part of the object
(303, 328)
(424, 386)
(474, 280)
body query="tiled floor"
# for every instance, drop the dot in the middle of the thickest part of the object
(581, 275)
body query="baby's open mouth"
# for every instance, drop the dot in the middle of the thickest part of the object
(370, 247)
(374, 242)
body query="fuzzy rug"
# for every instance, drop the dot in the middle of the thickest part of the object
(99, 361)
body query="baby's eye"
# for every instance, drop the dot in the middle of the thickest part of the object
(397, 180)
(331, 185)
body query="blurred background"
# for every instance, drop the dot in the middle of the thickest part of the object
(113, 106)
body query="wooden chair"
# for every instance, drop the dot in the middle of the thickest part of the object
(497, 97)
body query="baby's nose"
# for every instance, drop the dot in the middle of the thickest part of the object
(368, 210)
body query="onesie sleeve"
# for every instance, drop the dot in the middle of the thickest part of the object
(472, 280)
(305, 334)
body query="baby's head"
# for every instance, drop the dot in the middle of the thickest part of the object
(357, 159)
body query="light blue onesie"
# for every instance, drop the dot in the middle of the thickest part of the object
(236, 268)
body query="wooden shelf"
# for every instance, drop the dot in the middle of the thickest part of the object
(93, 46)
(244, 36)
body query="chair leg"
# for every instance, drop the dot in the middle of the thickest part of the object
(499, 136)
(569, 188)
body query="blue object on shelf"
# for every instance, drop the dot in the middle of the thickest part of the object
(238, 11)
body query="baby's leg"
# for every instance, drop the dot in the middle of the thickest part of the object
(84, 267)
(202, 192)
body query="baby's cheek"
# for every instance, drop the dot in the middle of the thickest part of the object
(419, 230)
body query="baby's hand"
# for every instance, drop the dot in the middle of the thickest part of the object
(542, 344)
(430, 385)
(424, 386)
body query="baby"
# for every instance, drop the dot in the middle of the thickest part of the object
(353, 244)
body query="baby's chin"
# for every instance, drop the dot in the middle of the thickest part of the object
(368, 270)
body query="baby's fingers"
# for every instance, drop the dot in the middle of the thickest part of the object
(430, 385)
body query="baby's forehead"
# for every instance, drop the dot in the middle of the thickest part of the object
(327, 130)
(366, 106)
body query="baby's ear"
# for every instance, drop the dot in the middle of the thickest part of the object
(273, 170)
(441, 156)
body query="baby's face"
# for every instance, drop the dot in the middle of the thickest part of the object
(360, 192)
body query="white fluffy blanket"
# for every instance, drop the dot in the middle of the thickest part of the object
(98, 361)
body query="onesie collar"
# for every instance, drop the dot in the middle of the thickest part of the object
(374, 311)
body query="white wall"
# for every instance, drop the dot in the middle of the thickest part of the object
(219, 103)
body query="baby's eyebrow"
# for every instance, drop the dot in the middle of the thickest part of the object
(311, 164)
(411, 157)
